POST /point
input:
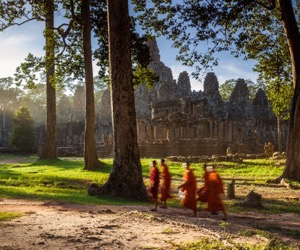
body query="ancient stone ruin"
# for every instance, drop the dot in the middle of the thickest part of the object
(253, 200)
(173, 120)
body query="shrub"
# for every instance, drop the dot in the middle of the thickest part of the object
(23, 134)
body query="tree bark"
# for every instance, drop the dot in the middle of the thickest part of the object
(279, 131)
(90, 149)
(292, 169)
(49, 150)
(125, 180)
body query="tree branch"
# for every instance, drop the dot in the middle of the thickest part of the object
(5, 26)
(65, 33)
(268, 7)
(74, 16)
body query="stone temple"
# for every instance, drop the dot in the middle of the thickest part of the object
(174, 120)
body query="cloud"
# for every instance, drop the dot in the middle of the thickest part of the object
(232, 68)
(16, 43)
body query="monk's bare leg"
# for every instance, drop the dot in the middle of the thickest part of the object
(195, 213)
(225, 215)
(164, 205)
(155, 207)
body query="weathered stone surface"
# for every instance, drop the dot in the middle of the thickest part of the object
(261, 107)
(231, 189)
(253, 200)
(239, 104)
(173, 120)
(184, 85)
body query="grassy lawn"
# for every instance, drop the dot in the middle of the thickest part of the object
(65, 180)
(8, 216)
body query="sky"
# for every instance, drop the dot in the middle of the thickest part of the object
(229, 67)
(16, 42)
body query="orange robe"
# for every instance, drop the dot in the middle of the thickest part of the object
(189, 187)
(154, 182)
(214, 186)
(202, 192)
(166, 183)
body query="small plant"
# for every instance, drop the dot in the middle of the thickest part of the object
(168, 230)
(9, 215)
(205, 243)
(224, 225)
(276, 244)
(250, 233)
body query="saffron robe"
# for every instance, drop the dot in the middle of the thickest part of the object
(202, 192)
(154, 182)
(166, 183)
(189, 187)
(214, 185)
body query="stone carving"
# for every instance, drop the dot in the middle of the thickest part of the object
(184, 85)
(229, 151)
(239, 104)
(261, 107)
(269, 149)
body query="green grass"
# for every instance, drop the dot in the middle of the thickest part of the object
(61, 180)
(4, 216)
(65, 180)
(259, 169)
(208, 243)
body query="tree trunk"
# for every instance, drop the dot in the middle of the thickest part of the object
(279, 131)
(90, 149)
(49, 150)
(292, 169)
(4, 120)
(125, 179)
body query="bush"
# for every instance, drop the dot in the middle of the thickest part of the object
(23, 134)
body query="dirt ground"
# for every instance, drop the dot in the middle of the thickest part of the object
(55, 225)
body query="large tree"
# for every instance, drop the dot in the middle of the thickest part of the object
(125, 179)
(274, 67)
(292, 169)
(49, 149)
(90, 150)
(62, 47)
(18, 13)
(191, 23)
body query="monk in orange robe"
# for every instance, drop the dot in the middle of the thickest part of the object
(189, 187)
(166, 183)
(154, 183)
(215, 190)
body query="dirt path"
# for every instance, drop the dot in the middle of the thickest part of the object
(72, 226)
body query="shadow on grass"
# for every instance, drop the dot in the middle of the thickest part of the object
(5, 173)
(295, 234)
(63, 195)
(58, 173)
(73, 164)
